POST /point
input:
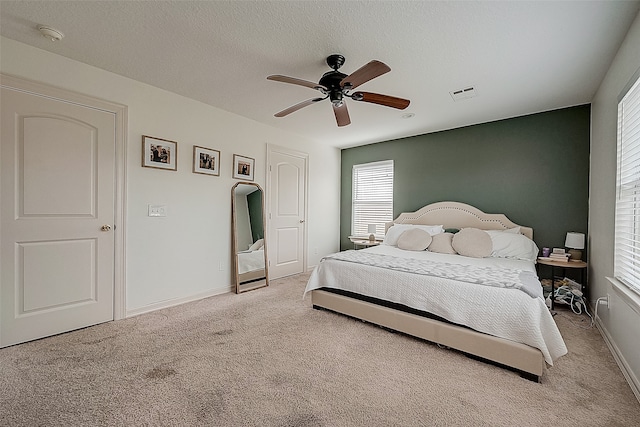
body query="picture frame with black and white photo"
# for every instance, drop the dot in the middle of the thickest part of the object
(159, 153)
(206, 161)
(243, 167)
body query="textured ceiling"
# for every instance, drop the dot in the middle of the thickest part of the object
(522, 57)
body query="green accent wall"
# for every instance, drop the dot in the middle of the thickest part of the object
(534, 169)
(254, 202)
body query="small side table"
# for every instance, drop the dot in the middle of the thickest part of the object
(562, 265)
(360, 243)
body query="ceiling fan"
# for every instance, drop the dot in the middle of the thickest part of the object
(337, 86)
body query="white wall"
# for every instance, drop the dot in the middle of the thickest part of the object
(621, 323)
(178, 257)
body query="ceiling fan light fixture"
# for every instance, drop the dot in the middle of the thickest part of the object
(336, 98)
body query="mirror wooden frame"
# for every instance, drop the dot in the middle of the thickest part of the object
(252, 281)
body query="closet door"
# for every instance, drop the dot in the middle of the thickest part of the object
(57, 216)
(287, 212)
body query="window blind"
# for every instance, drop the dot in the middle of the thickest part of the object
(372, 197)
(627, 229)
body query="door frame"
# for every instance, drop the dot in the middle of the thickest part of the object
(120, 113)
(271, 148)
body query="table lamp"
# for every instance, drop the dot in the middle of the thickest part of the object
(371, 228)
(575, 243)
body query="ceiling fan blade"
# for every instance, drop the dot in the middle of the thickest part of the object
(298, 106)
(342, 114)
(386, 100)
(365, 73)
(300, 82)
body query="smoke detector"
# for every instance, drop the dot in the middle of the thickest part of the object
(50, 33)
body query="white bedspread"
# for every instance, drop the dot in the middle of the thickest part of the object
(503, 312)
(250, 261)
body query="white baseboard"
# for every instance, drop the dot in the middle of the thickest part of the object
(620, 360)
(177, 301)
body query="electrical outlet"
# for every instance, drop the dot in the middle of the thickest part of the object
(604, 301)
(220, 266)
(608, 301)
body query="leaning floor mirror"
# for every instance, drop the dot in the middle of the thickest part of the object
(249, 249)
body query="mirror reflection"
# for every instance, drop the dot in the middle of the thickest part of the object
(247, 202)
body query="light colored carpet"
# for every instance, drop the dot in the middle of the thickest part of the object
(266, 358)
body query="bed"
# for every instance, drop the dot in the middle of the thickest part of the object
(251, 265)
(490, 307)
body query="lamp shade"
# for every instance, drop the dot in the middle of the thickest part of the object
(371, 228)
(574, 240)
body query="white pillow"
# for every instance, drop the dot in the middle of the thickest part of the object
(514, 230)
(441, 243)
(508, 245)
(394, 232)
(257, 245)
(414, 239)
(472, 242)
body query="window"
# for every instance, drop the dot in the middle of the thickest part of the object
(372, 197)
(627, 237)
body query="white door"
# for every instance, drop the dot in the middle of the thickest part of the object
(57, 216)
(287, 212)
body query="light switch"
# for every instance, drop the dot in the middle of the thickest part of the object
(157, 210)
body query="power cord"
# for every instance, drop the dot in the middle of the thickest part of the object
(598, 302)
(573, 297)
(571, 320)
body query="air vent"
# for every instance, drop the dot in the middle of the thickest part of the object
(468, 92)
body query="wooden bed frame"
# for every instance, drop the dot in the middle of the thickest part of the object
(527, 360)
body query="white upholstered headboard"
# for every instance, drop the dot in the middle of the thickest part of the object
(458, 215)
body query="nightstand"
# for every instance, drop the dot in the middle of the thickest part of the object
(360, 243)
(562, 265)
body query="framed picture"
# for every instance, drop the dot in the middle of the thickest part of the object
(159, 153)
(206, 161)
(243, 167)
